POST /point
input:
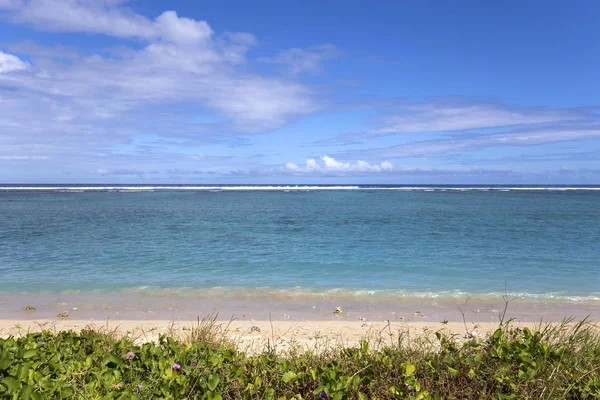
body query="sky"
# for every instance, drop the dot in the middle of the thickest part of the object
(396, 92)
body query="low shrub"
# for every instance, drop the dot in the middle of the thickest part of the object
(555, 361)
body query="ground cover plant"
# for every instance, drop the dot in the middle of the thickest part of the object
(553, 362)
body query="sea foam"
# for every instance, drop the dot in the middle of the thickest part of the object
(287, 188)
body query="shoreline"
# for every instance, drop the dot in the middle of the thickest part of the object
(254, 324)
(138, 307)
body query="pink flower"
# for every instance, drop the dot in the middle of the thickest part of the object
(176, 367)
(131, 355)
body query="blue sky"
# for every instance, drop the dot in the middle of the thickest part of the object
(116, 91)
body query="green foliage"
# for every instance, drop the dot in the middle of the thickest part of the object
(554, 362)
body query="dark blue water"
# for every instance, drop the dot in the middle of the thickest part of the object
(541, 242)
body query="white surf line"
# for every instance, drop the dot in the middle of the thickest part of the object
(288, 188)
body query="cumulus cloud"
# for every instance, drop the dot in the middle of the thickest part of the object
(11, 63)
(331, 165)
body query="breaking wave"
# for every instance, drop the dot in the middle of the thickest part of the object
(287, 188)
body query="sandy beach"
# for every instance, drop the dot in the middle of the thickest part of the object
(256, 335)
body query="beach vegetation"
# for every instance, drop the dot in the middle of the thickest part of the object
(554, 361)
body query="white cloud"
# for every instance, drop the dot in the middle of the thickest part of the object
(97, 101)
(111, 17)
(450, 115)
(241, 38)
(30, 48)
(28, 158)
(92, 16)
(10, 63)
(9, 4)
(330, 165)
(176, 29)
(447, 117)
(123, 171)
(303, 60)
(99, 171)
(475, 142)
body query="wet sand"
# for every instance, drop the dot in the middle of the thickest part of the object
(136, 307)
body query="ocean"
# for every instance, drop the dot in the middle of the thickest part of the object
(539, 244)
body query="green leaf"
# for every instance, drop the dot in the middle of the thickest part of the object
(29, 353)
(5, 362)
(36, 396)
(288, 376)
(453, 371)
(26, 391)
(23, 372)
(11, 384)
(362, 396)
(409, 370)
(213, 382)
(111, 361)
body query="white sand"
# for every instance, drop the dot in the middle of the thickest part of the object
(256, 336)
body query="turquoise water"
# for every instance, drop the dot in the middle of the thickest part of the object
(416, 242)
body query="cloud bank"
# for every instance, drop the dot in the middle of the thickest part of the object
(329, 166)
